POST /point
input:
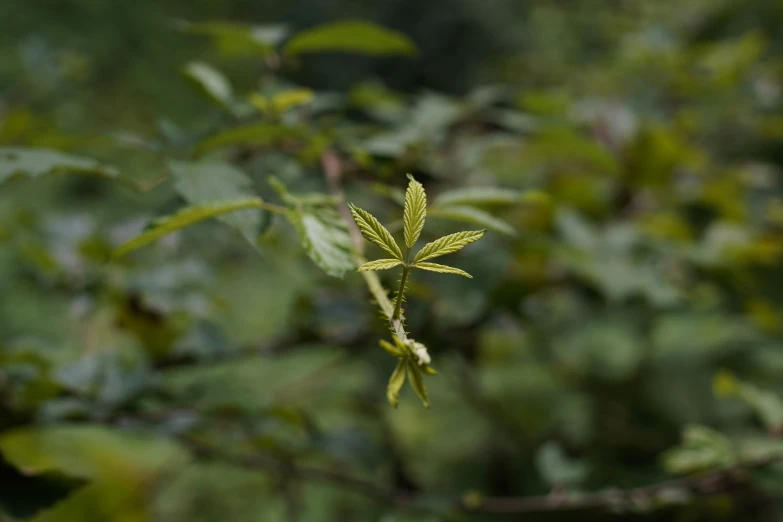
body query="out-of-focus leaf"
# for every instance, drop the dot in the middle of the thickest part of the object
(21, 161)
(478, 196)
(396, 381)
(211, 82)
(182, 219)
(235, 39)
(88, 452)
(325, 239)
(604, 349)
(351, 36)
(473, 215)
(766, 404)
(557, 468)
(282, 101)
(100, 501)
(208, 181)
(252, 135)
(702, 448)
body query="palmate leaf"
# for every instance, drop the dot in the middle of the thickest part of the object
(373, 231)
(184, 218)
(443, 269)
(351, 36)
(380, 264)
(415, 211)
(396, 381)
(448, 244)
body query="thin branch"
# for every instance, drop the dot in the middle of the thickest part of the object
(332, 166)
(662, 494)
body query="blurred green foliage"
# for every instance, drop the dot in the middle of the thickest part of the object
(622, 327)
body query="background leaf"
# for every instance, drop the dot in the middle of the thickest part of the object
(325, 239)
(185, 217)
(351, 36)
(474, 216)
(478, 196)
(211, 82)
(208, 181)
(21, 161)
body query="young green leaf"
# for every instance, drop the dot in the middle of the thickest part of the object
(391, 349)
(415, 211)
(443, 269)
(448, 244)
(396, 381)
(417, 382)
(380, 264)
(182, 219)
(373, 231)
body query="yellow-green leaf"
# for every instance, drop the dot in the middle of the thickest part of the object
(380, 264)
(448, 244)
(443, 269)
(351, 36)
(289, 99)
(417, 382)
(391, 349)
(415, 211)
(396, 381)
(184, 218)
(374, 232)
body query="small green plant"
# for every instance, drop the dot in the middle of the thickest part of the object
(413, 356)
